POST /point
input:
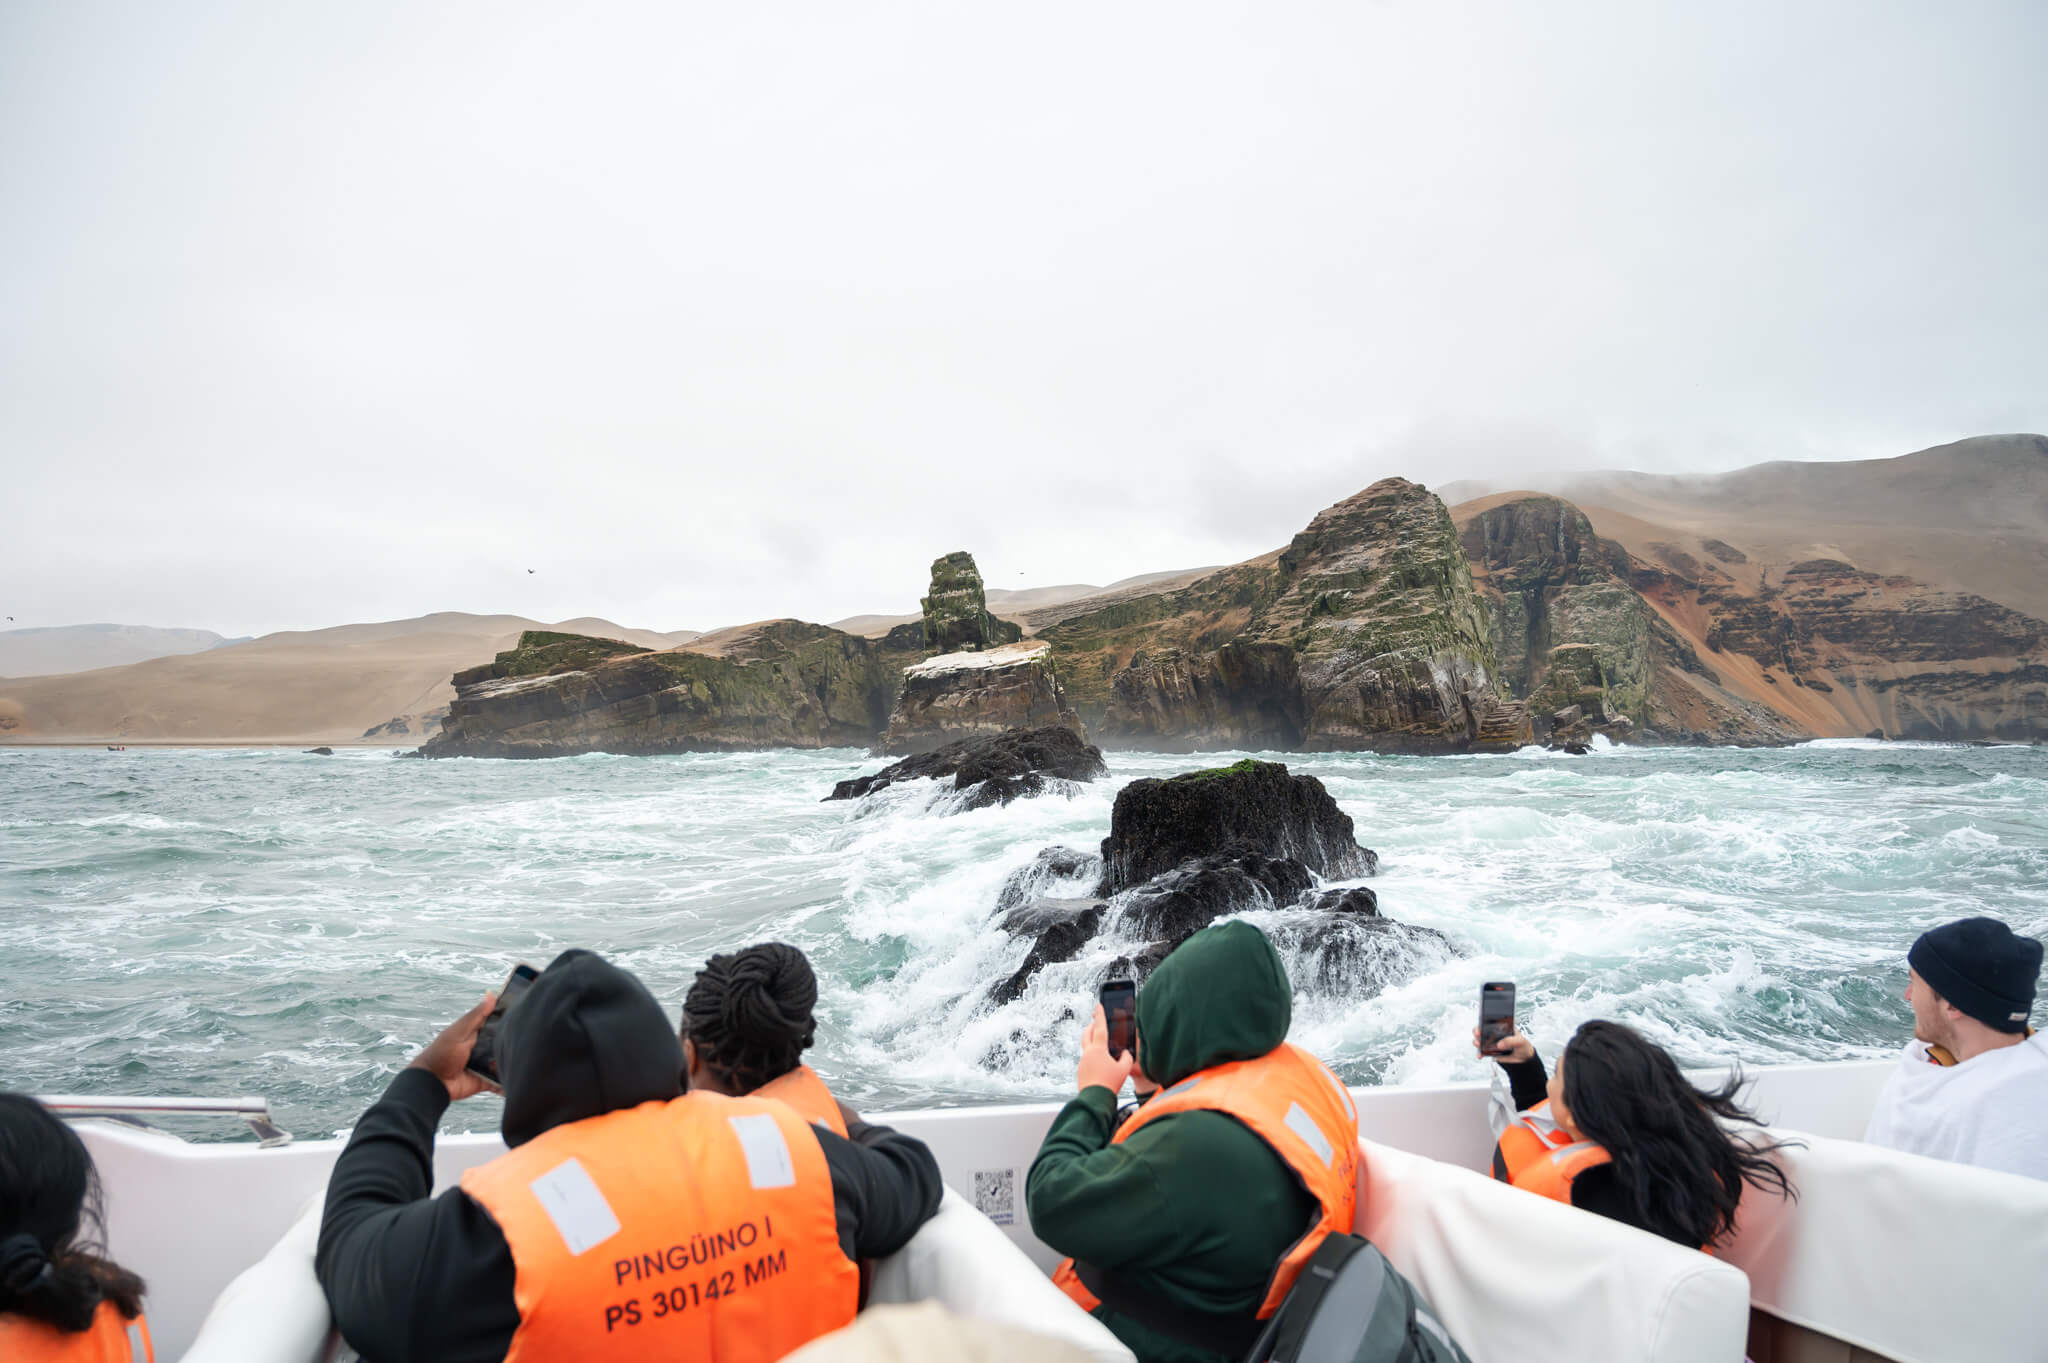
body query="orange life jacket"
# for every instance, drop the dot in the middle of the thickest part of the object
(1531, 1136)
(111, 1338)
(1293, 1103)
(702, 1228)
(803, 1090)
(1538, 1156)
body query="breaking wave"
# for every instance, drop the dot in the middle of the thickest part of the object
(236, 921)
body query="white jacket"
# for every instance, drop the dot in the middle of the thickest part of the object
(1990, 1110)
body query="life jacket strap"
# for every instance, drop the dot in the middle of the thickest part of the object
(1232, 1334)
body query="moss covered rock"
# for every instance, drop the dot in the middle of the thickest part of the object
(956, 617)
(1365, 632)
(784, 683)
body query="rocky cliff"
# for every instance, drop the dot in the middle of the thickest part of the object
(1569, 630)
(1385, 624)
(1365, 632)
(1723, 647)
(1829, 650)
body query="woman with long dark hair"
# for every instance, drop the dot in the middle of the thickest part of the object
(747, 1021)
(1619, 1131)
(61, 1299)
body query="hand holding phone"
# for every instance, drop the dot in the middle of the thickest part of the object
(447, 1055)
(483, 1056)
(1099, 1066)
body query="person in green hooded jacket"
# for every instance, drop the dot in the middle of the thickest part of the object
(1194, 1209)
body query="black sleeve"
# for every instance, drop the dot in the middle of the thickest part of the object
(884, 1184)
(1598, 1191)
(409, 1276)
(1527, 1082)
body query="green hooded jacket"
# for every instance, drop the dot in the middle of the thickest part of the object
(1193, 1207)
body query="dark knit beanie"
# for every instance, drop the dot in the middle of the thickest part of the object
(1983, 967)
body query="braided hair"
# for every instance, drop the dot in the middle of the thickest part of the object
(749, 1013)
(52, 1268)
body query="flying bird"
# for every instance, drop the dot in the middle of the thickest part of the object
(529, 572)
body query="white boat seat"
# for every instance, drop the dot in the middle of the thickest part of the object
(961, 1259)
(1514, 1276)
(1911, 1258)
(274, 1309)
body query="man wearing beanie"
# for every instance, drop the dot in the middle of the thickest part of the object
(1972, 1086)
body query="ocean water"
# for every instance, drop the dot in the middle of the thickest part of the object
(230, 922)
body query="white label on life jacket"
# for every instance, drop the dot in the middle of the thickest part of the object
(768, 1160)
(1304, 1126)
(572, 1201)
(1343, 1094)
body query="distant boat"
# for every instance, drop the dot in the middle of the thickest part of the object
(123, 747)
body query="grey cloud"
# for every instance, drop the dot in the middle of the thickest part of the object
(341, 312)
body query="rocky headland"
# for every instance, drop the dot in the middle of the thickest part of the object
(1365, 632)
(1719, 646)
(1390, 623)
(992, 770)
(776, 684)
(1186, 851)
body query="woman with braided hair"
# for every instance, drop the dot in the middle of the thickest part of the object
(747, 1021)
(61, 1300)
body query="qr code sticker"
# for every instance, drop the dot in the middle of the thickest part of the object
(995, 1195)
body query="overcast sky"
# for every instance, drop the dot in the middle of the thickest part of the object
(321, 313)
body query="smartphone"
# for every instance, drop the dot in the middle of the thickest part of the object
(1120, 1007)
(483, 1057)
(1496, 1014)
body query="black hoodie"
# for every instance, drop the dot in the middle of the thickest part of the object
(415, 1277)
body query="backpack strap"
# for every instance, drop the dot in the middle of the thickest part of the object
(1232, 1334)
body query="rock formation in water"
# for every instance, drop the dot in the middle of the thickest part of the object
(956, 695)
(956, 616)
(1257, 806)
(1184, 852)
(994, 770)
(1365, 632)
(782, 683)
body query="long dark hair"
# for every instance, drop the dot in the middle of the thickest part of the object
(53, 1265)
(1680, 1169)
(749, 1013)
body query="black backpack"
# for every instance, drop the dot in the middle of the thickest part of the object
(1350, 1306)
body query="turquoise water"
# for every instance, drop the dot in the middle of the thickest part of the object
(228, 922)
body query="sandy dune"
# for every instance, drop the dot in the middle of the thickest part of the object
(323, 686)
(1971, 516)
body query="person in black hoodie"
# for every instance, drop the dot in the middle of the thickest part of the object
(410, 1276)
